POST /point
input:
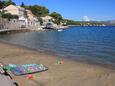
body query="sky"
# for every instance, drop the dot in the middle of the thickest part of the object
(77, 9)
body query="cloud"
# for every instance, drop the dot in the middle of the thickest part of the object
(85, 18)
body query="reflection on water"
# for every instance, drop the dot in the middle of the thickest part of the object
(91, 44)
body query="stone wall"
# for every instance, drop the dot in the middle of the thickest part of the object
(16, 24)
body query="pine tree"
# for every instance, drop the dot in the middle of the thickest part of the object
(22, 4)
(9, 2)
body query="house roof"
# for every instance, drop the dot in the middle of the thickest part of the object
(13, 7)
(47, 17)
(30, 13)
(10, 7)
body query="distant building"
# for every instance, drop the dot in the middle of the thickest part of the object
(48, 22)
(32, 19)
(19, 11)
(16, 10)
(26, 17)
(30, 14)
(47, 19)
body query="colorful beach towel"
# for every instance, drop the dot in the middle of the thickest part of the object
(26, 68)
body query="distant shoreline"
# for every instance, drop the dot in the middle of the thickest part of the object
(35, 30)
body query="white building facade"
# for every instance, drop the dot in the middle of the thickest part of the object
(26, 17)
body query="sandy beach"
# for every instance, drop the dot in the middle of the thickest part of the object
(70, 73)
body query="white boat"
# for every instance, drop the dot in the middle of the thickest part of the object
(59, 30)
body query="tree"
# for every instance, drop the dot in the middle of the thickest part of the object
(2, 4)
(22, 4)
(58, 18)
(9, 16)
(72, 22)
(39, 10)
(9, 2)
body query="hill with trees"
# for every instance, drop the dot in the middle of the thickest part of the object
(58, 17)
(5, 3)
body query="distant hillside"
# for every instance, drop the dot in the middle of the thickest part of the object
(109, 23)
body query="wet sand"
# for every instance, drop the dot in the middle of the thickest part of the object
(70, 73)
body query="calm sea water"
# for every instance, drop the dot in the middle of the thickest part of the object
(90, 44)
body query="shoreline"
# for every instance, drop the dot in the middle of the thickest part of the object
(26, 48)
(52, 54)
(70, 73)
(106, 66)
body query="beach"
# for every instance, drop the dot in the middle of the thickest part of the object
(70, 73)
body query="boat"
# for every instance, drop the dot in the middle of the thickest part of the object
(59, 30)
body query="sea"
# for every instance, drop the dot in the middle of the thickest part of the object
(85, 44)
